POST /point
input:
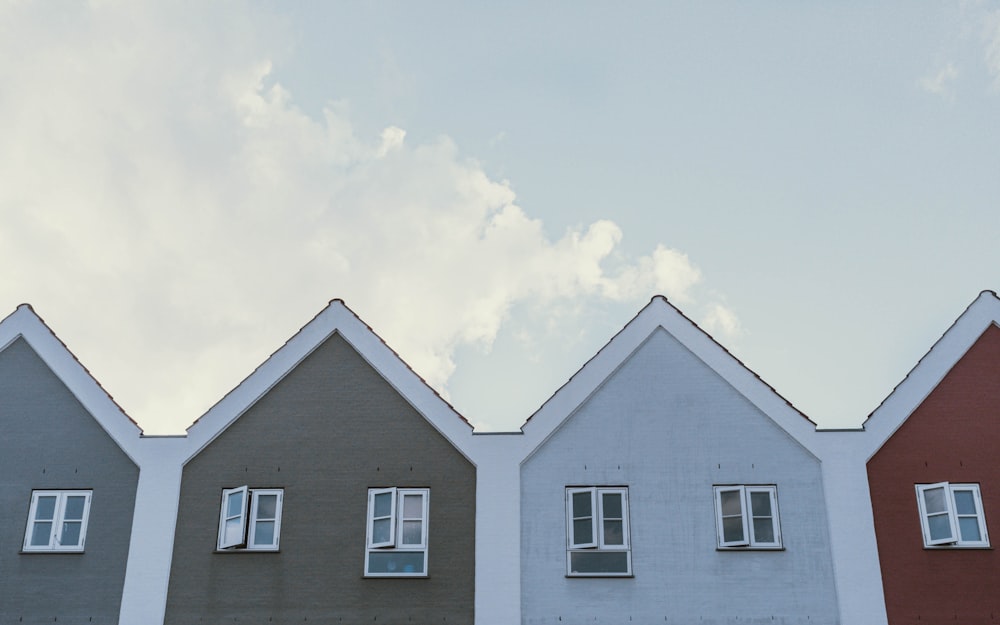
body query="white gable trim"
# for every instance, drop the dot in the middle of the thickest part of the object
(336, 318)
(659, 313)
(26, 324)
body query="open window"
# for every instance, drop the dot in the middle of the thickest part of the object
(250, 519)
(951, 515)
(597, 532)
(747, 517)
(57, 520)
(396, 543)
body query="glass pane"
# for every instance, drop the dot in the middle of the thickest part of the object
(583, 532)
(730, 502)
(763, 530)
(613, 533)
(70, 534)
(732, 530)
(939, 526)
(598, 562)
(264, 533)
(412, 532)
(234, 533)
(266, 505)
(411, 563)
(413, 506)
(40, 534)
(760, 504)
(380, 531)
(383, 504)
(934, 500)
(964, 502)
(74, 508)
(581, 505)
(612, 503)
(969, 527)
(45, 509)
(234, 505)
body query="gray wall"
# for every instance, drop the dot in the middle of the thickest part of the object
(669, 427)
(49, 441)
(331, 429)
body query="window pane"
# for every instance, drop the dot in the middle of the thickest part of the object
(939, 526)
(412, 532)
(234, 505)
(964, 502)
(266, 505)
(730, 502)
(613, 534)
(396, 562)
(598, 562)
(380, 531)
(74, 508)
(233, 533)
(383, 504)
(583, 532)
(934, 500)
(732, 530)
(40, 534)
(264, 533)
(760, 504)
(763, 530)
(581, 506)
(413, 507)
(969, 527)
(45, 509)
(70, 534)
(612, 503)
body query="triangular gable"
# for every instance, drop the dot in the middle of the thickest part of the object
(335, 318)
(26, 324)
(660, 313)
(909, 394)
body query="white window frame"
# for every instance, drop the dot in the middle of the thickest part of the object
(395, 542)
(247, 515)
(58, 521)
(598, 540)
(954, 539)
(746, 515)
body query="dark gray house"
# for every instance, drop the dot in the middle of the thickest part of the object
(332, 485)
(68, 478)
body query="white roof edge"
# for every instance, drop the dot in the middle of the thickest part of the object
(659, 313)
(335, 318)
(895, 409)
(26, 324)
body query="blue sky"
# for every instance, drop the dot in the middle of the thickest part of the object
(498, 189)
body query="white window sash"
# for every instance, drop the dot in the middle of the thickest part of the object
(255, 519)
(973, 489)
(719, 491)
(926, 515)
(58, 521)
(422, 518)
(236, 537)
(574, 543)
(391, 541)
(601, 517)
(749, 513)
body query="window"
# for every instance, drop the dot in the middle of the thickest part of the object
(747, 517)
(951, 515)
(250, 519)
(397, 532)
(597, 532)
(57, 520)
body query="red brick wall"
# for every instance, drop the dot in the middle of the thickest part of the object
(953, 436)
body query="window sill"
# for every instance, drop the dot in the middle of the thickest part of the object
(600, 575)
(958, 548)
(393, 576)
(750, 549)
(247, 551)
(62, 552)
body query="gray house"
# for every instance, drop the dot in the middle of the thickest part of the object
(68, 479)
(666, 483)
(332, 485)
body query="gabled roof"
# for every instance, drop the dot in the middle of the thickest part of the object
(336, 318)
(895, 409)
(660, 313)
(25, 323)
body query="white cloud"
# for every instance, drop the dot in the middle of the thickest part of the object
(175, 216)
(939, 83)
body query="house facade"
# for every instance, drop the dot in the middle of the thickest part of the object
(934, 478)
(68, 485)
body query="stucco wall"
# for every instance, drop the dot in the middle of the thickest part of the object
(669, 427)
(952, 436)
(49, 441)
(327, 432)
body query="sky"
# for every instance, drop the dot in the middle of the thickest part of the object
(498, 188)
